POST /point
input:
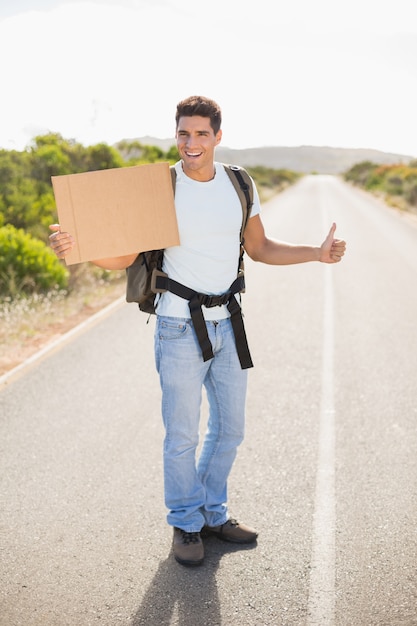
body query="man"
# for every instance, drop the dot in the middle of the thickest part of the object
(209, 217)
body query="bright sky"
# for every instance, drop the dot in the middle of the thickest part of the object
(286, 73)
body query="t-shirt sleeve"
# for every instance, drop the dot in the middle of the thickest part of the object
(256, 207)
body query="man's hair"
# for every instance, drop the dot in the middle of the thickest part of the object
(199, 105)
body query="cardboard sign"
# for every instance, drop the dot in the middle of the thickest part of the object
(116, 212)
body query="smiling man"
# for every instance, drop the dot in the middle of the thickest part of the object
(209, 215)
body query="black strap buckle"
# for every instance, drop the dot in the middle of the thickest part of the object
(212, 301)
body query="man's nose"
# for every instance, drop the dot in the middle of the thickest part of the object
(191, 141)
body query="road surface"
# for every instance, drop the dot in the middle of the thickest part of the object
(327, 472)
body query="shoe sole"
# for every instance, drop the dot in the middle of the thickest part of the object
(228, 539)
(208, 532)
(188, 563)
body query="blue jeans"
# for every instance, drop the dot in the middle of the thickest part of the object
(196, 489)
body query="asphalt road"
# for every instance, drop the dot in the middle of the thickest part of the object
(327, 472)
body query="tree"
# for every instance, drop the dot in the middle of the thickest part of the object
(102, 157)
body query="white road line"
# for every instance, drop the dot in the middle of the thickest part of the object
(321, 604)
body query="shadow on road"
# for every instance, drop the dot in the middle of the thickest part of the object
(187, 595)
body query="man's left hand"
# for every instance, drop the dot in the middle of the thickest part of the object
(332, 250)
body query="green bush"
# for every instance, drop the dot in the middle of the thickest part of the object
(397, 180)
(411, 193)
(394, 185)
(360, 173)
(268, 177)
(27, 265)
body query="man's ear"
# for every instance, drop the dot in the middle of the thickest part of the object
(219, 137)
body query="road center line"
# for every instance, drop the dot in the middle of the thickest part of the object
(321, 603)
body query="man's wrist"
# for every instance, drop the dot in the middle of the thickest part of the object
(317, 253)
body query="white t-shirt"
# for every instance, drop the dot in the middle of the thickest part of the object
(209, 216)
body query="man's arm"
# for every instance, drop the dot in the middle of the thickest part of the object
(63, 243)
(265, 250)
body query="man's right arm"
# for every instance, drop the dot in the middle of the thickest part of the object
(116, 263)
(62, 243)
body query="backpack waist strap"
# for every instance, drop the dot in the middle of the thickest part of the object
(196, 300)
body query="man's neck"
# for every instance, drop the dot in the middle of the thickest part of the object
(203, 175)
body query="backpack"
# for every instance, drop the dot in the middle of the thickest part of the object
(145, 278)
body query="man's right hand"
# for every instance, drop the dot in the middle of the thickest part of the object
(61, 243)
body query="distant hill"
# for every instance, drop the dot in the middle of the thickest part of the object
(305, 159)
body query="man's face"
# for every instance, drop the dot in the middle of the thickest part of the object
(196, 142)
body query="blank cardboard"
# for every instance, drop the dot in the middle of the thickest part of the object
(116, 212)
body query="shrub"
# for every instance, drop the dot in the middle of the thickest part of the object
(360, 173)
(394, 185)
(411, 194)
(27, 265)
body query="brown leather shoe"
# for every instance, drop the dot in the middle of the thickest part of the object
(233, 531)
(187, 547)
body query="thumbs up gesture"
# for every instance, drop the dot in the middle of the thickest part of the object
(332, 250)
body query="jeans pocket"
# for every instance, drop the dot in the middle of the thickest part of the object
(172, 329)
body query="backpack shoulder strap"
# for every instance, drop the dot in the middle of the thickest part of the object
(173, 176)
(243, 184)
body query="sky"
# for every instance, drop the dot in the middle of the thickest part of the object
(323, 73)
